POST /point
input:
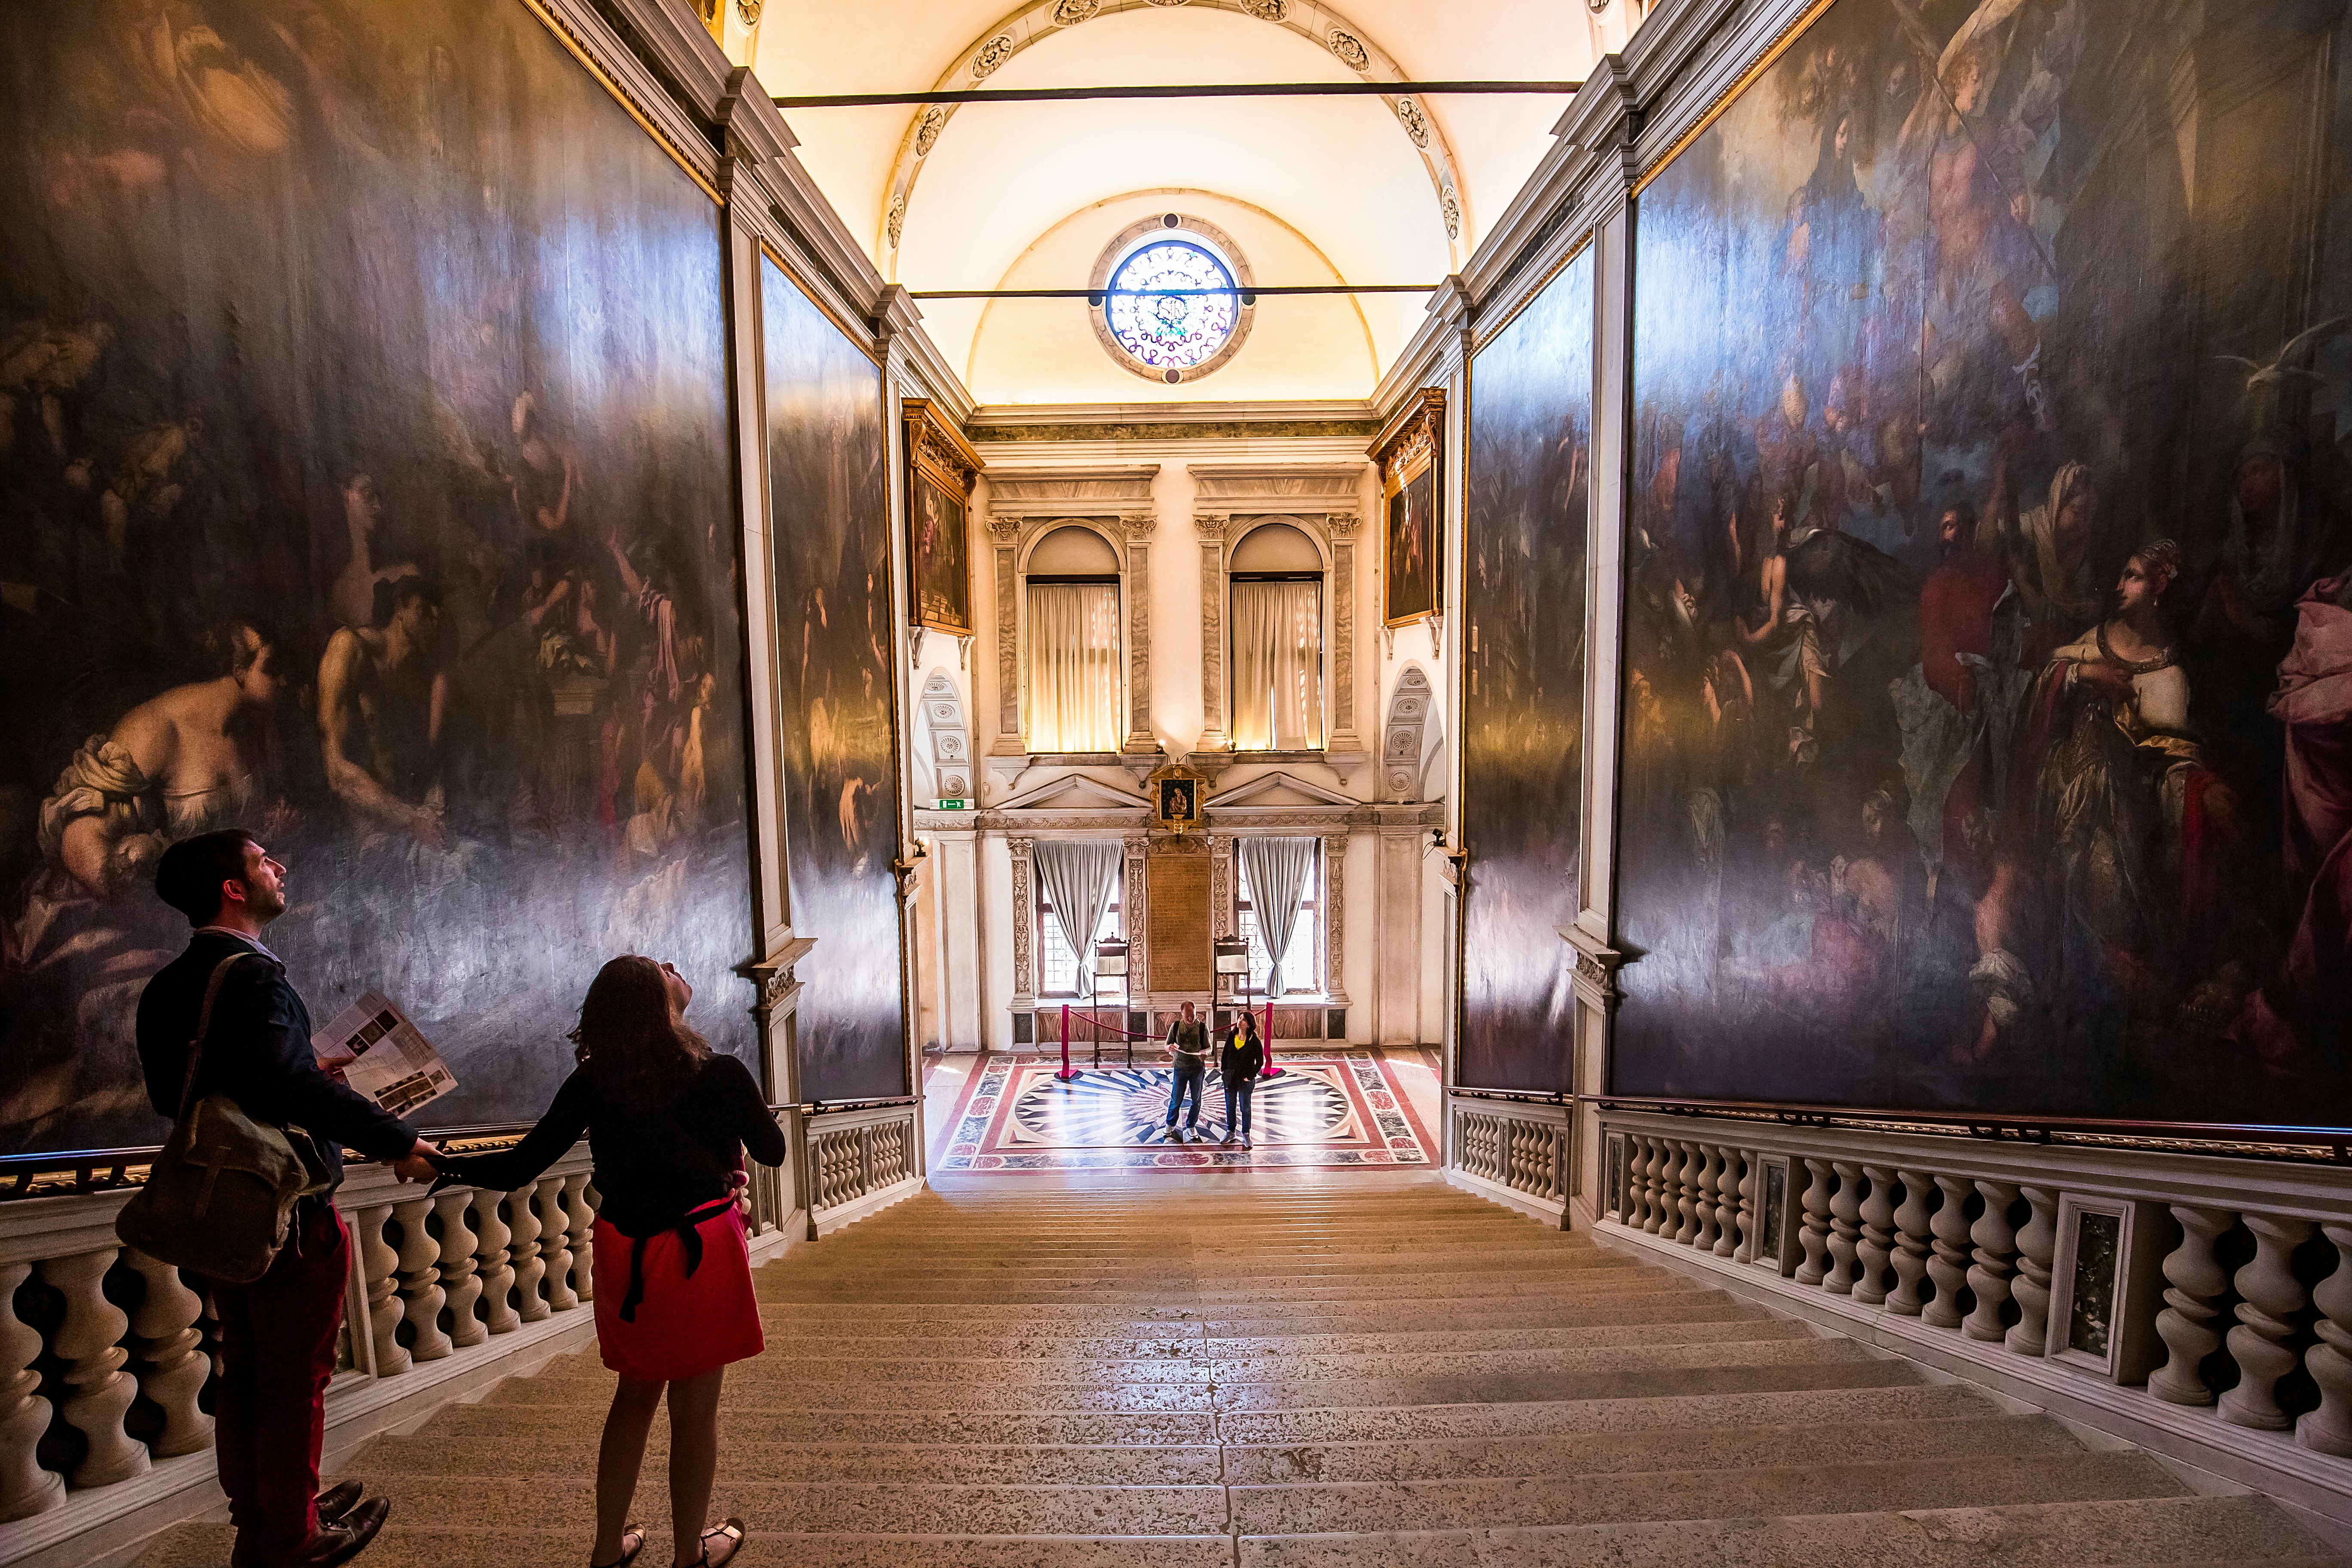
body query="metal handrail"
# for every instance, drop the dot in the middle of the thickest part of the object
(1521, 1097)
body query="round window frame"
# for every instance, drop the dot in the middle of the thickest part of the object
(1134, 237)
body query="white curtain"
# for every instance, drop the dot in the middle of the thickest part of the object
(1074, 667)
(1277, 666)
(1081, 878)
(1277, 869)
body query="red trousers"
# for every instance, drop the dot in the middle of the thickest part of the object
(277, 1351)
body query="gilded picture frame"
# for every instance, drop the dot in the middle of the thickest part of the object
(941, 468)
(1412, 506)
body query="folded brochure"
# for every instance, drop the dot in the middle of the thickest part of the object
(373, 1047)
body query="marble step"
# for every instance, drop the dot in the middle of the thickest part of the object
(573, 1451)
(2145, 1533)
(1713, 1374)
(1899, 1485)
(1557, 1455)
(879, 1507)
(1564, 1308)
(747, 1428)
(1569, 1419)
(401, 1546)
(1366, 1270)
(1205, 1294)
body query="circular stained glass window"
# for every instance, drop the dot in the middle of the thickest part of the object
(1171, 307)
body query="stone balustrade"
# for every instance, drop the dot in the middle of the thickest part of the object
(1517, 1150)
(2177, 1281)
(105, 1353)
(857, 1160)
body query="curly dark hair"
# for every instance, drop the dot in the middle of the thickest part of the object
(635, 1050)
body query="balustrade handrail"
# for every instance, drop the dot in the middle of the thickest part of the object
(126, 1167)
(2192, 1137)
(1559, 1096)
(831, 1107)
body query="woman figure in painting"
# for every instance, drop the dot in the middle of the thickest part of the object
(668, 1121)
(2114, 796)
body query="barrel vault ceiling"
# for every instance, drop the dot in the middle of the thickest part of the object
(1314, 190)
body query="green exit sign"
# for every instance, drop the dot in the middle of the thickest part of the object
(951, 805)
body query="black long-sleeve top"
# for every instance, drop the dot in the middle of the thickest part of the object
(258, 1052)
(1243, 1057)
(654, 1164)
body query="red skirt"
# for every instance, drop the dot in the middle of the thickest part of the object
(685, 1326)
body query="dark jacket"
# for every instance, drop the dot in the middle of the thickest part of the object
(257, 1053)
(1243, 1058)
(654, 1164)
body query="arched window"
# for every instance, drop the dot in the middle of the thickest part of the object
(1073, 655)
(1277, 656)
(1173, 300)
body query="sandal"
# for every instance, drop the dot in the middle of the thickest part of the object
(730, 1535)
(633, 1540)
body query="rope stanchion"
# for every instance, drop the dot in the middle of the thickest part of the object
(1271, 1070)
(1067, 1072)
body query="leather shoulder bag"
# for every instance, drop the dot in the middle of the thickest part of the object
(220, 1196)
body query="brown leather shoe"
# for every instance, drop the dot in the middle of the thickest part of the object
(340, 1542)
(338, 1500)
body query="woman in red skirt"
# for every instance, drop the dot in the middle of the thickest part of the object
(668, 1122)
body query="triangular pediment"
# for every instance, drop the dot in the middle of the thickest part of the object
(1283, 789)
(1074, 792)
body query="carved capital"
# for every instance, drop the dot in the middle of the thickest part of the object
(1210, 524)
(1005, 531)
(1342, 523)
(1139, 525)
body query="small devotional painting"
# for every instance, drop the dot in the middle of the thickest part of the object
(1408, 454)
(941, 468)
(1987, 665)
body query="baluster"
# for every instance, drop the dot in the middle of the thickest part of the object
(1751, 1200)
(1909, 1260)
(557, 1248)
(1845, 1229)
(1644, 1185)
(2195, 1284)
(378, 1263)
(1686, 1192)
(26, 1489)
(495, 1268)
(529, 1267)
(1993, 1262)
(2031, 1287)
(1703, 1191)
(1726, 1204)
(98, 1391)
(1947, 1263)
(1814, 1235)
(2328, 1429)
(420, 1276)
(1654, 1190)
(461, 1283)
(580, 1215)
(173, 1364)
(1876, 1248)
(2271, 1296)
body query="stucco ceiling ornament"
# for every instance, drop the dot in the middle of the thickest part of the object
(1416, 124)
(993, 54)
(748, 11)
(897, 218)
(1038, 19)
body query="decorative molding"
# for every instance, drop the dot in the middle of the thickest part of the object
(1024, 919)
(1127, 240)
(1139, 948)
(1039, 19)
(1596, 966)
(1402, 740)
(951, 758)
(1220, 885)
(1335, 918)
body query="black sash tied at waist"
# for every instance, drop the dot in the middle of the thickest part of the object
(689, 1234)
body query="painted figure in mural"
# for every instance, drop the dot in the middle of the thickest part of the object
(1986, 607)
(383, 698)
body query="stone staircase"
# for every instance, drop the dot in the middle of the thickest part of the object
(1364, 1372)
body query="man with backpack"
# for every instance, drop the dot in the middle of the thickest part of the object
(225, 1008)
(1188, 1048)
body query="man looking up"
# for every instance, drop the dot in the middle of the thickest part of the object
(278, 1333)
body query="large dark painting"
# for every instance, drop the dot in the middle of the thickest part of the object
(364, 483)
(830, 510)
(1523, 704)
(1988, 668)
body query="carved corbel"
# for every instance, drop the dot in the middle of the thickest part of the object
(1596, 968)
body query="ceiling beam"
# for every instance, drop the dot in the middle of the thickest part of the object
(1224, 90)
(1094, 296)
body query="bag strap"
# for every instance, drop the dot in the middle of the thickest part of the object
(205, 1027)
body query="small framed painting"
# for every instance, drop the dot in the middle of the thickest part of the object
(2104, 1278)
(940, 469)
(1176, 796)
(1409, 452)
